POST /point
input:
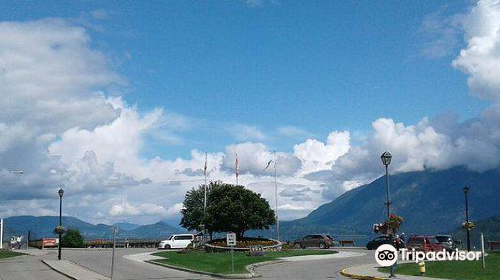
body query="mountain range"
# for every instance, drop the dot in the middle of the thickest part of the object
(430, 202)
(41, 227)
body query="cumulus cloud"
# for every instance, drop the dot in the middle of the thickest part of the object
(317, 156)
(125, 209)
(481, 59)
(60, 124)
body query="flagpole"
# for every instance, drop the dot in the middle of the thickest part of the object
(205, 200)
(236, 164)
(276, 198)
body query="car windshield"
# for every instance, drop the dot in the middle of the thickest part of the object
(329, 236)
(170, 237)
(433, 240)
(443, 238)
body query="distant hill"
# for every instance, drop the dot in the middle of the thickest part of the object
(154, 231)
(490, 227)
(41, 227)
(126, 226)
(430, 202)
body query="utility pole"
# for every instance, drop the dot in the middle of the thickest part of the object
(466, 191)
(276, 198)
(113, 254)
(1, 233)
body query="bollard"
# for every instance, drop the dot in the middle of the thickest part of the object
(421, 268)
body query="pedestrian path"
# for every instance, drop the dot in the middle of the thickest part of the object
(74, 271)
(370, 271)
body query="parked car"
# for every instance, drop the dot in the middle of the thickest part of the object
(385, 239)
(425, 243)
(446, 241)
(176, 241)
(323, 241)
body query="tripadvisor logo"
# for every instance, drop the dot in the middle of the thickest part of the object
(387, 255)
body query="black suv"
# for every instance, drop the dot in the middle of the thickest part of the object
(447, 242)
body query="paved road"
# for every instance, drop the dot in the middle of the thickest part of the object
(27, 268)
(99, 260)
(314, 269)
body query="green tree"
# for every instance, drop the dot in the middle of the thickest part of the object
(192, 211)
(72, 239)
(229, 208)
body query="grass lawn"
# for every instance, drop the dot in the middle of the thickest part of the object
(221, 262)
(464, 270)
(8, 254)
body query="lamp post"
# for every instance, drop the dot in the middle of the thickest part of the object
(466, 191)
(386, 160)
(61, 193)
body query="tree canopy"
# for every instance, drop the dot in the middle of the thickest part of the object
(72, 239)
(229, 208)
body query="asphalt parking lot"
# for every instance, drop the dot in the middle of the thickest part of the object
(99, 260)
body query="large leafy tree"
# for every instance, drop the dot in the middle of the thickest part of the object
(229, 208)
(72, 239)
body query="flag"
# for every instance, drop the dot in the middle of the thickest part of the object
(268, 164)
(236, 165)
(205, 167)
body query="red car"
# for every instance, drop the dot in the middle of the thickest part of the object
(425, 243)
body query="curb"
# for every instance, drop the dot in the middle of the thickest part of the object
(250, 268)
(359, 277)
(233, 276)
(60, 272)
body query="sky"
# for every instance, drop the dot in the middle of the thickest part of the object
(117, 102)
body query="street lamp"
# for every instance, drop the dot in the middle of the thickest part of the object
(466, 191)
(61, 193)
(386, 160)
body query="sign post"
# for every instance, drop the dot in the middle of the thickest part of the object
(231, 242)
(113, 254)
(482, 250)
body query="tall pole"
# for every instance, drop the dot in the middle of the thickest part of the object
(205, 201)
(113, 254)
(60, 225)
(276, 199)
(1, 233)
(466, 191)
(388, 202)
(386, 160)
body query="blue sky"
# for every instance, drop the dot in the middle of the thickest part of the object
(320, 66)
(115, 100)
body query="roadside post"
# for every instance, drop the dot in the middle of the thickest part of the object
(231, 242)
(1, 233)
(113, 255)
(482, 250)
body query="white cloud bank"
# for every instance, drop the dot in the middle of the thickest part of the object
(63, 122)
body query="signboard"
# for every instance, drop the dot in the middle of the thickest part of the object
(231, 239)
(50, 242)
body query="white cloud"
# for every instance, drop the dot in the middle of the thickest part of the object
(481, 59)
(125, 209)
(242, 132)
(317, 156)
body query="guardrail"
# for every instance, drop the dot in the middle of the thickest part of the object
(105, 243)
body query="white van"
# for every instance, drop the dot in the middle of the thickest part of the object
(177, 241)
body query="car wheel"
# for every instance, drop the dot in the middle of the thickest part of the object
(322, 245)
(297, 246)
(167, 247)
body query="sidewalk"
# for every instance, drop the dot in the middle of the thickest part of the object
(370, 272)
(73, 271)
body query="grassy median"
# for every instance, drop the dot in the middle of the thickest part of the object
(9, 254)
(221, 262)
(463, 270)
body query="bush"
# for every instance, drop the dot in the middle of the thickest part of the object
(72, 239)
